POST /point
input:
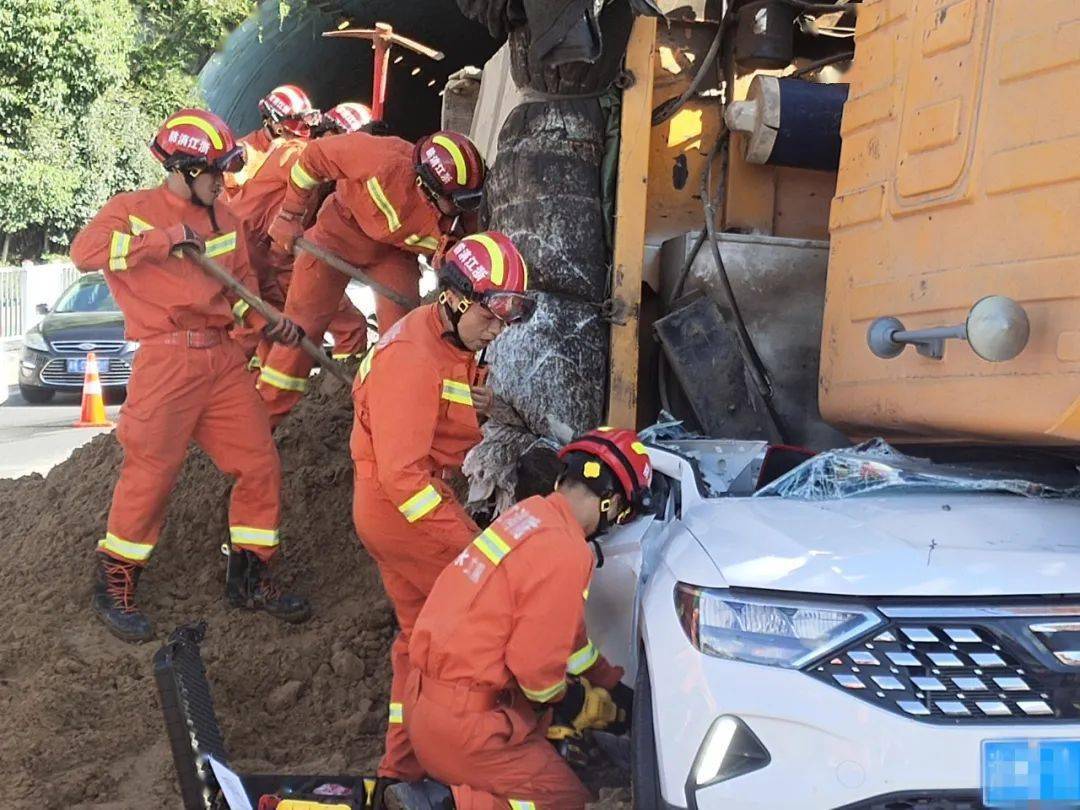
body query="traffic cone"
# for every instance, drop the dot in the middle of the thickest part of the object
(93, 406)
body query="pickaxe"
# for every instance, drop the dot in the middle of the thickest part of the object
(383, 38)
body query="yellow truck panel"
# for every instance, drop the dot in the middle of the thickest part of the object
(959, 179)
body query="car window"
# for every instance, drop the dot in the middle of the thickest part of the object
(87, 296)
(876, 467)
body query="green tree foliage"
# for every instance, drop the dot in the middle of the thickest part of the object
(83, 86)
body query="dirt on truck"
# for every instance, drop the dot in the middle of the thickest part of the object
(82, 723)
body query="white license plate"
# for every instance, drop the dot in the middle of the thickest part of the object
(1031, 773)
(77, 365)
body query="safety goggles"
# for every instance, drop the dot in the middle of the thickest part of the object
(232, 161)
(509, 307)
(467, 200)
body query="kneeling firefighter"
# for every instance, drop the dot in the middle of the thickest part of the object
(417, 407)
(500, 637)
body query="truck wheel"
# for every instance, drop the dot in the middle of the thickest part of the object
(36, 396)
(645, 775)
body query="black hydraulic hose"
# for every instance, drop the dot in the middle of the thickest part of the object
(843, 56)
(755, 367)
(667, 109)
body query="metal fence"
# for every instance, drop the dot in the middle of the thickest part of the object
(23, 288)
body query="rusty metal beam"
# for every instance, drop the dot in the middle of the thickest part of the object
(631, 206)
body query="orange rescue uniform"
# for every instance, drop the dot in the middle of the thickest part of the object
(377, 219)
(501, 628)
(257, 202)
(414, 419)
(189, 380)
(257, 145)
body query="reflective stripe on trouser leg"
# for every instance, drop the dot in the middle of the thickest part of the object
(131, 552)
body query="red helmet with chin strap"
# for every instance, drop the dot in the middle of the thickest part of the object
(290, 108)
(194, 140)
(612, 456)
(450, 166)
(349, 116)
(488, 269)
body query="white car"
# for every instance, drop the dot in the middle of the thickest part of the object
(878, 632)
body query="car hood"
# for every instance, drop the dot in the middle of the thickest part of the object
(894, 545)
(77, 325)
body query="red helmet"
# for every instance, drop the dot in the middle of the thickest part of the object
(622, 457)
(488, 269)
(450, 166)
(290, 108)
(195, 140)
(349, 116)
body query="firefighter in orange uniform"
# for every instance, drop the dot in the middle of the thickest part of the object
(392, 201)
(500, 636)
(287, 113)
(258, 201)
(416, 416)
(189, 380)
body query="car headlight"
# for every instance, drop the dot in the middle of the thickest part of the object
(34, 340)
(770, 630)
(130, 346)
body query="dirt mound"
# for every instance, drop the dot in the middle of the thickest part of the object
(82, 725)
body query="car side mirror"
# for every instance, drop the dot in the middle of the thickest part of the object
(42, 309)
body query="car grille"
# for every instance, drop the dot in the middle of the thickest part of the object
(84, 346)
(56, 373)
(985, 670)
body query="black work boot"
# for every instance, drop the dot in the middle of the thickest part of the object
(248, 584)
(426, 795)
(378, 795)
(114, 598)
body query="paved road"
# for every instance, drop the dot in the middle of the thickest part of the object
(35, 438)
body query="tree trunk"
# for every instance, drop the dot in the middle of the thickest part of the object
(4, 251)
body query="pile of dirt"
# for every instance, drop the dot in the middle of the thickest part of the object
(82, 724)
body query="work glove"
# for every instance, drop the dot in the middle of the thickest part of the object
(623, 697)
(583, 707)
(286, 228)
(181, 236)
(285, 332)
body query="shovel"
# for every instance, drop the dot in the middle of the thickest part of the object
(333, 260)
(216, 271)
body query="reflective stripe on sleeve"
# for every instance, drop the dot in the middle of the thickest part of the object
(521, 804)
(491, 545)
(118, 250)
(139, 226)
(584, 658)
(425, 242)
(365, 364)
(420, 504)
(301, 179)
(135, 552)
(240, 309)
(544, 695)
(458, 392)
(271, 376)
(397, 714)
(250, 536)
(378, 196)
(219, 245)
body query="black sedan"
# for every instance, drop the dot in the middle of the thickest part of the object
(85, 319)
